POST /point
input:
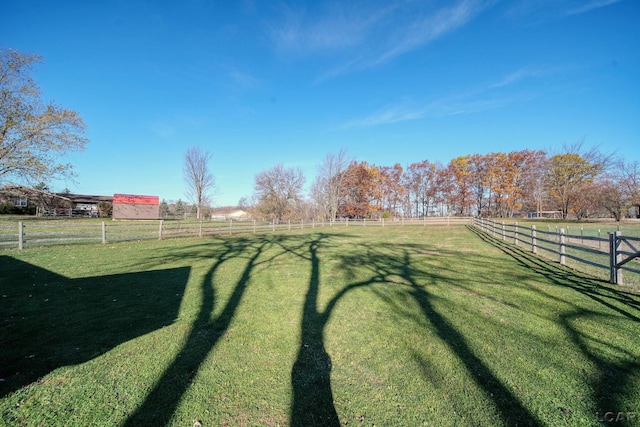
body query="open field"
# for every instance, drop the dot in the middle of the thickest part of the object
(405, 326)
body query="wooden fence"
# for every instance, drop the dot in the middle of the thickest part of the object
(56, 232)
(614, 257)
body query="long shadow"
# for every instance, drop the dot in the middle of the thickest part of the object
(388, 266)
(615, 377)
(48, 321)
(312, 401)
(623, 302)
(160, 405)
(510, 409)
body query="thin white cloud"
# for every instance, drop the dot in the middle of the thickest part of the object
(427, 29)
(242, 79)
(338, 28)
(542, 11)
(488, 97)
(389, 115)
(368, 35)
(591, 6)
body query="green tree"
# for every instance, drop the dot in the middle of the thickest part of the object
(34, 133)
(179, 208)
(163, 208)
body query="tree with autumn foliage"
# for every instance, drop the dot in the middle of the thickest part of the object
(460, 195)
(357, 191)
(568, 173)
(421, 187)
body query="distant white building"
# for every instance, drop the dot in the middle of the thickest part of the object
(235, 215)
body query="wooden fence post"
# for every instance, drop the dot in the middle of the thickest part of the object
(504, 236)
(534, 243)
(289, 224)
(254, 226)
(200, 228)
(160, 230)
(20, 235)
(230, 227)
(563, 260)
(104, 233)
(615, 271)
(515, 234)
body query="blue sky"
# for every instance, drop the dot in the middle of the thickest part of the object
(257, 83)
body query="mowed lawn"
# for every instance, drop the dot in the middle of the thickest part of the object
(394, 326)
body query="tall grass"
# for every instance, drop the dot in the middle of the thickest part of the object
(387, 326)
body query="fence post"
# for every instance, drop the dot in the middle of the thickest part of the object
(230, 227)
(104, 233)
(515, 234)
(534, 242)
(382, 221)
(599, 241)
(302, 224)
(563, 260)
(200, 228)
(254, 226)
(616, 272)
(20, 235)
(503, 232)
(273, 225)
(289, 224)
(364, 224)
(346, 223)
(160, 230)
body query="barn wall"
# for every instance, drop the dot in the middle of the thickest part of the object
(128, 206)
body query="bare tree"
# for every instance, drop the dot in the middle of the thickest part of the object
(197, 177)
(328, 185)
(278, 191)
(33, 133)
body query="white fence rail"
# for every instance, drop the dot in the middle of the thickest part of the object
(51, 232)
(611, 257)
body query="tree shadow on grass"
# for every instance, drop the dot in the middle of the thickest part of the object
(312, 401)
(48, 321)
(161, 403)
(615, 378)
(395, 266)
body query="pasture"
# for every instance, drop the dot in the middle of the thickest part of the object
(407, 326)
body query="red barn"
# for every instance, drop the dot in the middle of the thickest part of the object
(131, 206)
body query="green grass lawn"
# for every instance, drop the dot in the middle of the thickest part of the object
(395, 326)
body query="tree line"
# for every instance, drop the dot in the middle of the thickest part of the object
(35, 133)
(574, 182)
